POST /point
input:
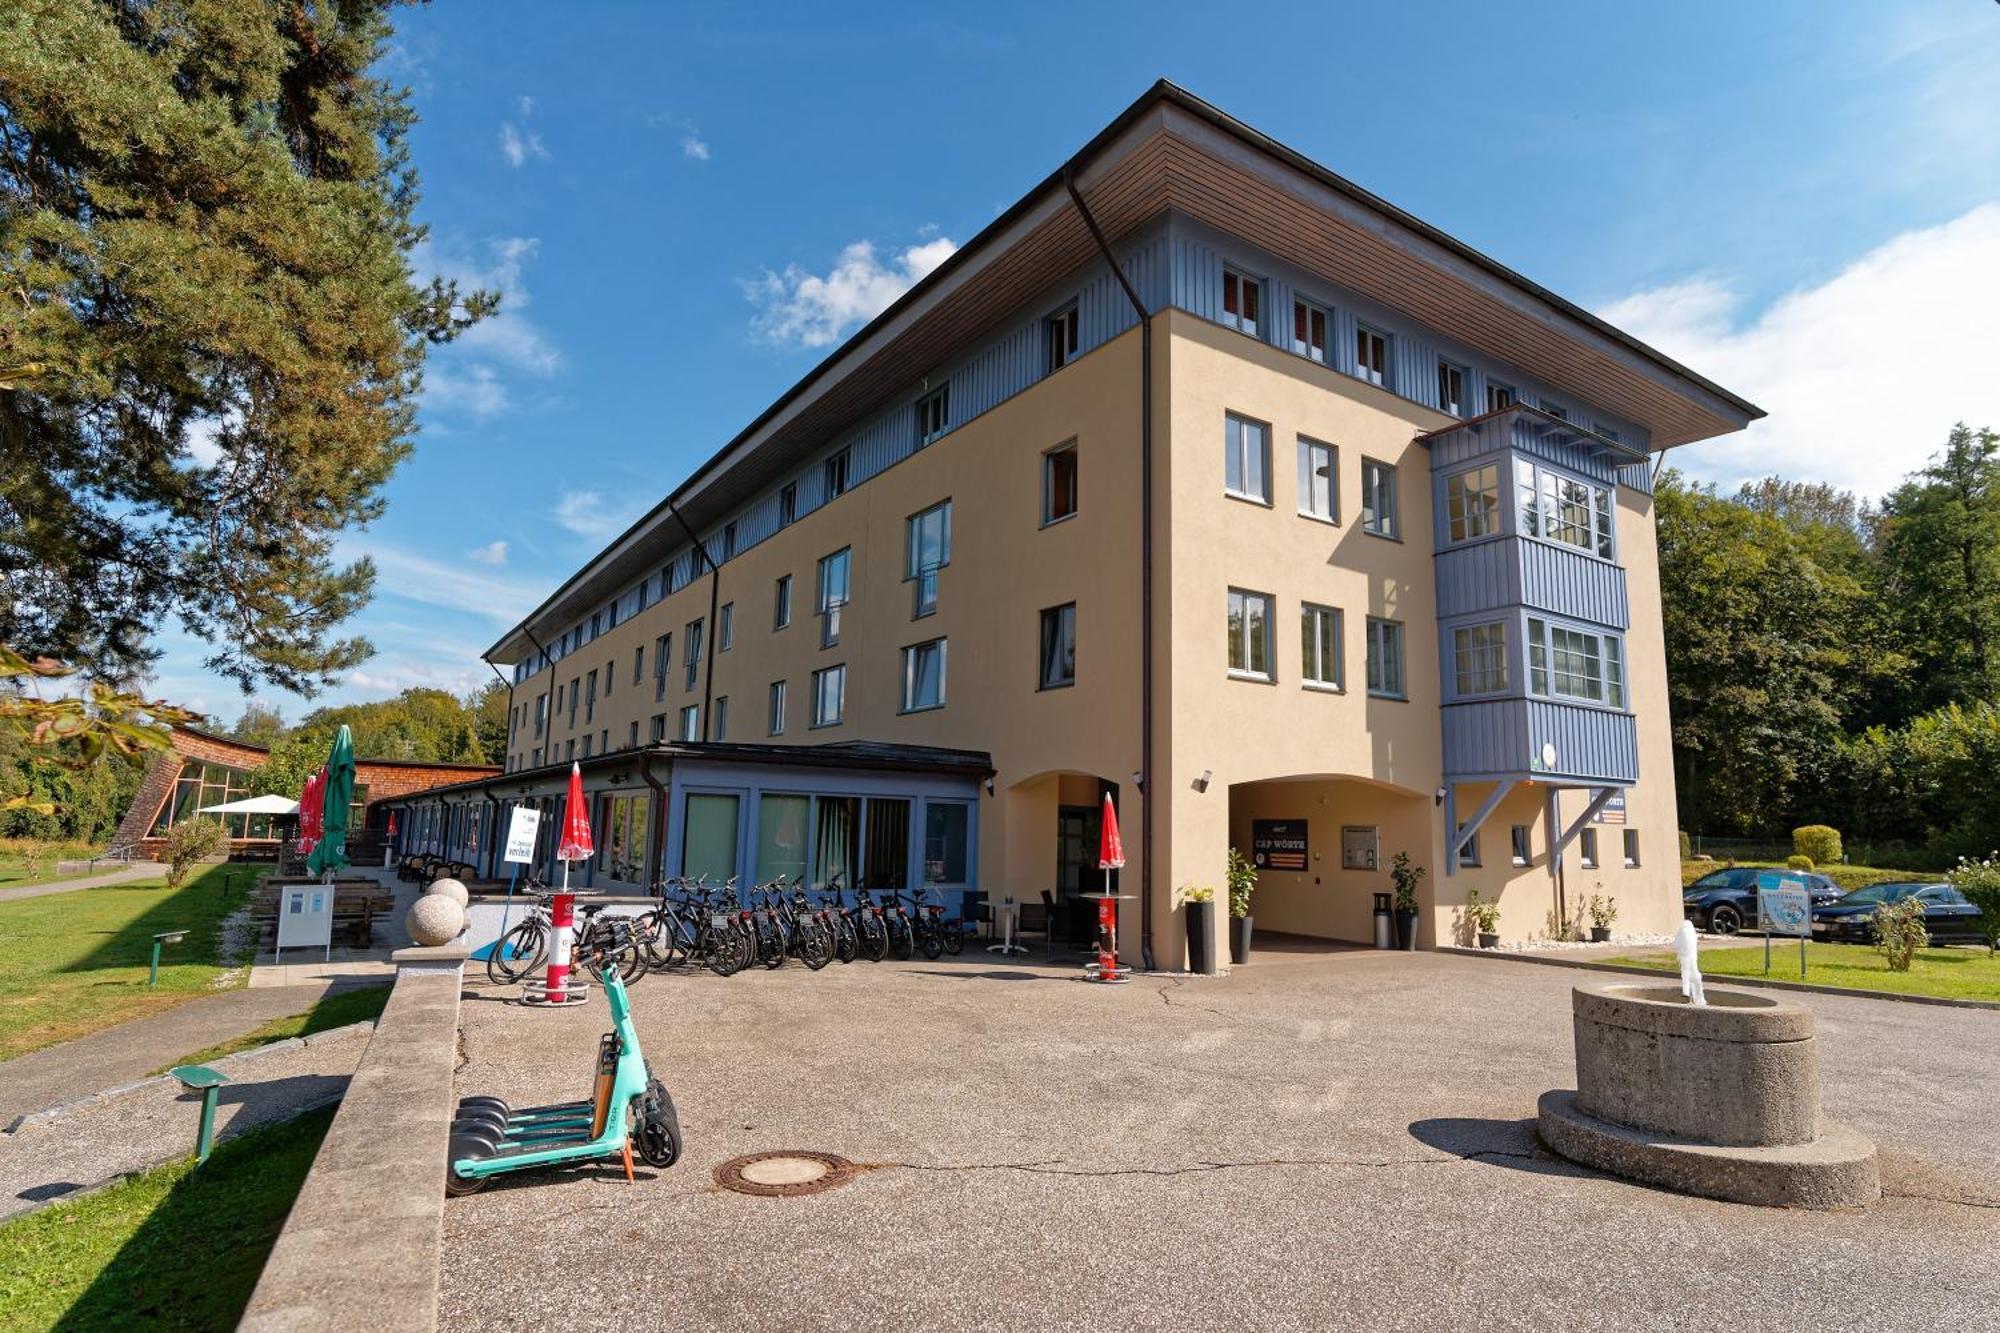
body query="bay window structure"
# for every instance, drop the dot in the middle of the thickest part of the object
(1558, 507)
(1472, 503)
(1385, 658)
(829, 695)
(927, 549)
(1479, 657)
(1058, 651)
(923, 676)
(1319, 634)
(1249, 634)
(1242, 299)
(833, 570)
(1319, 492)
(1379, 510)
(1567, 662)
(1246, 458)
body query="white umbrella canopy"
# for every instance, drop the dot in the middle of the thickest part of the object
(254, 805)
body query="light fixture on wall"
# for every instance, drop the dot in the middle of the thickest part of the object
(1440, 795)
(1137, 780)
(1201, 783)
(989, 784)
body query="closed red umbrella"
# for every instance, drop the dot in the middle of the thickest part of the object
(1110, 847)
(575, 844)
(309, 814)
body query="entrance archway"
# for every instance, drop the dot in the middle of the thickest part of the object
(1326, 842)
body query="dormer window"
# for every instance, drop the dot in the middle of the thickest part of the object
(1242, 302)
(1371, 355)
(933, 414)
(1451, 388)
(1309, 330)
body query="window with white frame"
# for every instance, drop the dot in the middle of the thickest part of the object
(1560, 508)
(774, 721)
(663, 660)
(1242, 301)
(658, 727)
(1246, 458)
(1060, 330)
(1579, 664)
(1472, 503)
(1379, 510)
(1479, 659)
(1371, 355)
(1250, 634)
(829, 695)
(781, 602)
(1309, 330)
(1058, 647)
(1520, 836)
(1319, 634)
(729, 540)
(691, 636)
(725, 627)
(721, 717)
(1451, 388)
(1385, 658)
(638, 664)
(933, 414)
(923, 676)
(691, 722)
(1059, 483)
(927, 549)
(1586, 848)
(1499, 396)
(835, 473)
(1631, 848)
(833, 572)
(1468, 851)
(1319, 493)
(788, 504)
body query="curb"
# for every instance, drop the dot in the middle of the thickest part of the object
(1502, 956)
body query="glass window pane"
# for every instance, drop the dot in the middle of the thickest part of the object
(781, 836)
(837, 840)
(708, 845)
(946, 827)
(887, 863)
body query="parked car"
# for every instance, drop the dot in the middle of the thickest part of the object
(1725, 901)
(1948, 915)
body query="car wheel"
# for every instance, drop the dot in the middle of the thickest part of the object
(1725, 920)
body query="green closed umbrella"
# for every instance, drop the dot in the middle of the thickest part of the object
(330, 852)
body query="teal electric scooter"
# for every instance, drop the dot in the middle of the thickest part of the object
(628, 1111)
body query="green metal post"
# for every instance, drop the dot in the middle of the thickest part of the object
(153, 977)
(205, 1139)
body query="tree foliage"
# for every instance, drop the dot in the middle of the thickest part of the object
(1940, 547)
(421, 725)
(210, 336)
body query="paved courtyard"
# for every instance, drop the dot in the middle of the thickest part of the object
(1313, 1142)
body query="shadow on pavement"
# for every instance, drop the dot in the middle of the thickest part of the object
(1508, 1143)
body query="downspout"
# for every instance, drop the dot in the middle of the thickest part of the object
(1145, 569)
(711, 634)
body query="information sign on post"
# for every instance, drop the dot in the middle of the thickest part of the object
(1783, 908)
(305, 918)
(522, 827)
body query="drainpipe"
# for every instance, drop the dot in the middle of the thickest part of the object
(657, 834)
(1145, 569)
(714, 594)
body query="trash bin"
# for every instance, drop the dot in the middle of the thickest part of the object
(1384, 933)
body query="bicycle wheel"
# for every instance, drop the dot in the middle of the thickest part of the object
(954, 938)
(930, 940)
(902, 941)
(815, 945)
(734, 948)
(770, 945)
(873, 939)
(846, 945)
(518, 953)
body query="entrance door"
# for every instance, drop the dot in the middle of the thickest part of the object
(1078, 832)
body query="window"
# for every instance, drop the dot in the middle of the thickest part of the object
(927, 549)
(923, 676)
(575, 697)
(590, 698)
(632, 737)
(536, 761)
(1309, 330)
(1060, 330)
(1249, 634)
(1241, 300)
(1319, 495)
(781, 603)
(692, 638)
(1059, 483)
(691, 722)
(1575, 664)
(836, 475)
(1561, 508)
(788, 504)
(1371, 355)
(1319, 634)
(1555, 409)
(610, 675)
(1479, 654)
(1058, 657)
(1379, 512)
(832, 595)
(933, 414)
(569, 750)
(946, 841)
(1451, 388)
(638, 664)
(708, 836)
(722, 717)
(1246, 449)
(586, 744)
(775, 723)
(658, 727)
(1472, 503)
(829, 695)
(1586, 848)
(725, 627)
(1523, 849)
(1385, 658)
(729, 540)
(782, 841)
(541, 714)
(1499, 396)
(1468, 851)
(1631, 848)
(663, 657)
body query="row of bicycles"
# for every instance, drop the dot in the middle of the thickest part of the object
(727, 930)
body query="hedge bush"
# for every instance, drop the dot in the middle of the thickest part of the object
(1687, 846)
(1797, 862)
(1818, 843)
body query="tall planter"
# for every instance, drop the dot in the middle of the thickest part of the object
(1201, 938)
(1406, 931)
(1239, 940)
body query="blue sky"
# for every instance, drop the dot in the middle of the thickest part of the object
(685, 209)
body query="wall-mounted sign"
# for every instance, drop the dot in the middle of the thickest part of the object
(1278, 844)
(522, 826)
(1360, 847)
(1613, 811)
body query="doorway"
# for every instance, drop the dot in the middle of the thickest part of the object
(1079, 831)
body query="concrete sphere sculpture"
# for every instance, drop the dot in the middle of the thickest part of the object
(435, 919)
(449, 888)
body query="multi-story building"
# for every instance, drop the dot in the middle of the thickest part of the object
(1203, 478)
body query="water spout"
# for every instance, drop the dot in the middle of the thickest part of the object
(1688, 951)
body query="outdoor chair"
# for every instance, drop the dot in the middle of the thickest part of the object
(1032, 919)
(972, 911)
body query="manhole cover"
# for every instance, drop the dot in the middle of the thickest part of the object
(784, 1173)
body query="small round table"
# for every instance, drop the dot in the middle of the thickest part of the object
(1007, 916)
(1106, 967)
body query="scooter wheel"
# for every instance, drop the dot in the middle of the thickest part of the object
(658, 1138)
(497, 1103)
(479, 1118)
(465, 1147)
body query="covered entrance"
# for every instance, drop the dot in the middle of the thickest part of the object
(1322, 846)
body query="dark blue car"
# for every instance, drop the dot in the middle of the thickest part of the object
(1725, 901)
(1948, 915)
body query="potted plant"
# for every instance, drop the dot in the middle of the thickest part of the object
(1484, 916)
(1242, 883)
(1200, 931)
(1603, 911)
(1405, 877)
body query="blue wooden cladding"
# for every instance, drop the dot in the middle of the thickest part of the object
(1491, 739)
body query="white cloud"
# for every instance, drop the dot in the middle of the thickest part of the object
(804, 309)
(588, 514)
(692, 146)
(475, 391)
(392, 678)
(413, 576)
(517, 142)
(1863, 374)
(493, 553)
(466, 376)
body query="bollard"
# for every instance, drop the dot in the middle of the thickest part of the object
(208, 1082)
(164, 937)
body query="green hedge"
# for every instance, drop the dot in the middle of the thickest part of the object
(1818, 843)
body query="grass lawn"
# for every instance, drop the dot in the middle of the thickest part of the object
(1845, 877)
(1958, 974)
(14, 859)
(335, 1009)
(75, 963)
(175, 1248)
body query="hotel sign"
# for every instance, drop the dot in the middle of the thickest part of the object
(1278, 844)
(1613, 811)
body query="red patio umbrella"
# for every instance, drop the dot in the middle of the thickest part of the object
(309, 805)
(1110, 847)
(575, 844)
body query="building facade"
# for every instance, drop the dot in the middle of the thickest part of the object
(1202, 479)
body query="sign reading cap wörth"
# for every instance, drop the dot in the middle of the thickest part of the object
(1278, 844)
